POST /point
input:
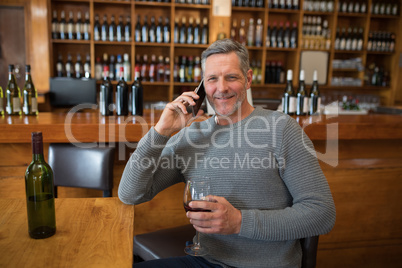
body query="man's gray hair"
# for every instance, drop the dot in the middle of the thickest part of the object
(226, 46)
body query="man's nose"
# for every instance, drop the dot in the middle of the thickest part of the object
(222, 85)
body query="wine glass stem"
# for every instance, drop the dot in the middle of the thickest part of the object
(197, 240)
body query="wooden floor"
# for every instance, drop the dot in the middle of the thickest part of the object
(366, 184)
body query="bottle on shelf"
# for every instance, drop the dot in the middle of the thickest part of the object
(104, 29)
(315, 98)
(79, 27)
(127, 30)
(152, 31)
(183, 31)
(176, 69)
(167, 70)
(69, 66)
(71, 34)
(138, 30)
(145, 31)
(250, 33)
(182, 70)
(78, 68)
(234, 31)
(137, 95)
(112, 29)
(159, 31)
(286, 35)
(112, 68)
(120, 30)
(86, 27)
(60, 72)
(97, 29)
(87, 66)
(205, 31)
(106, 94)
(39, 193)
(288, 99)
(145, 68)
(302, 105)
(13, 94)
(189, 69)
(221, 33)
(30, 95)
(105, 62)
(152, 68)
(176, 30)
(166, 31)
(127, 67)
(197, 70)
(1, 102)
(190, 31)
(98, 69)
(274, 35)
(160, 69)
(55, 26)
(279, 35)
(122, 98)
(119, 64)
(63, 25)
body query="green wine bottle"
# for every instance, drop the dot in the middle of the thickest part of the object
(13, 93)
(30, 106)
(1, 102)
(39, 193)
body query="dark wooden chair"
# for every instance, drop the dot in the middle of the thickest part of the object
(170, 243)
(74, 166)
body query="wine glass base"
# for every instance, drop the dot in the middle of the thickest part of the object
(195, 250)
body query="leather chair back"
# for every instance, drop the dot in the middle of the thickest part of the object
(82, 167)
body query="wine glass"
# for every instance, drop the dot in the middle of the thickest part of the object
(196, 189)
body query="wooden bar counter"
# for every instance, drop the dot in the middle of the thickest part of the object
(361, 156)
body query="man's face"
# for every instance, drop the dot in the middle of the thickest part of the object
(225, 84)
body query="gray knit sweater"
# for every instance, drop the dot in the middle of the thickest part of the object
(264, 166)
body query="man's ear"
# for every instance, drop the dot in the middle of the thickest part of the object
(249, 78)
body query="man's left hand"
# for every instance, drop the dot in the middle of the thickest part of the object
(223, 218)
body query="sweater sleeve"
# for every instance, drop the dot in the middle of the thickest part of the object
(149, 170)
(312, 212)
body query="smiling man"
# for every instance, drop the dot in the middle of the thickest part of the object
(268, 188)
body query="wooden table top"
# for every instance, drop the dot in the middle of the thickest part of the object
(92, 127)
(90, 232)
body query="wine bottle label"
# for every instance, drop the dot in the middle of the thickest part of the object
(292, 104)
(1, 105)
(319, 104)
(34, 105)
(16, 105)
(306, 104)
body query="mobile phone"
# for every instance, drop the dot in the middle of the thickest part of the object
(200, 91)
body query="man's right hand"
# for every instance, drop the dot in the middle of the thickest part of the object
(175, 116)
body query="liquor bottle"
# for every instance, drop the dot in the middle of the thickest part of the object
(78, 68)
(79, 27)
(144, 30)
(302, 97)
(272, 73)
(55, 26)
(137, 93)
(189, 69)
(176, 69)
(98, 69)
(106, 94)
(70, 27)
(127, 30)
(152, 31)
(280, 73)
(13, 94)
(354, 39)
(197, 70)
(112, 29)
(112, 68)
(183, 31)
(105, 62)
(1, 102)
(342, 39)
(167, 70)
(250, 33)
(348, 38)
(159, 31)
(60, 66)
(288, 99)
(234, 30)
(268, 37)
(242, 32)
(182, 70)
(39, 193)
(127, 68)
(190, 31)
(119, 64)
(315, 98)
(97, 28)
(145, 68)
(69, 66)
(30, 96)
(138, 30)
(205, 31)
(166, 31)
(122, 99)
(62, 26)
(120, 30)
(86, 27)
(258, 33)
(104, 29)
(176, 31)
(286, 35)
(221, 33)
(279, 36)
(87, 67)
(160, 69)
(152, 69)
(273, 35)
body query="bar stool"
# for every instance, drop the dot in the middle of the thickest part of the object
(74, 166)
